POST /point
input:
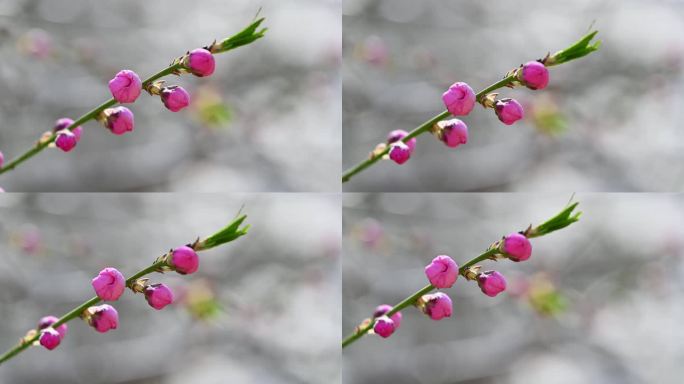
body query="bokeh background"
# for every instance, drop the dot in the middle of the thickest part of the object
(268, 119)
(598, 302)
(608, 122)
(262, 309)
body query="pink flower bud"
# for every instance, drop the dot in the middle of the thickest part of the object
(66, 140)
(459, 99)
(442, 271)
(2, 190)
(175, 98)
(119, 120)
(47, 321)
(125, 86)
(49, 338)
(437, 305)
(384, 326)
(380, 310)
(517, 247)
(508, 111)
(64, 123)
(534, 75)
(399, 152)
(103, 317)
(454, 133)
(491, 283)
(399, 134)
(185, 260)
(200, 62)
(2, 159)
(158, 296)
(109, 284)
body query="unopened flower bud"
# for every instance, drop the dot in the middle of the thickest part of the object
(534, 75)
(102, 317)
(399, 134)
(119, 120)
(517, 247)
(384, 326)
(64, 123)
(491, 283)
(47, 321)
(185, 260)
(399, 152)
(508, 111)
(452, 132)
(158, 296)
(2, 159)
(380, 310)
(109, 284)
(459, 99)
(125, 86)
(50, 338)
(442, 271)
(436, 305)
(200, 62)
(175, 98)
(66, 140)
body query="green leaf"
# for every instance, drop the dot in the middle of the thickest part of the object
(231, 232)
(244, 37)
(560, 221)
(581, 48)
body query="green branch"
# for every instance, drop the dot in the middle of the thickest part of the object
(561, 220)
(227, 234)
(575, 51)
(244, 37)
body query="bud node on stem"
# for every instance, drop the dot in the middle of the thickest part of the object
(489, 100)
(377, 151)
(471, 273)
(45, 137)
(139, 285)
(361, 328)
(195, 244)
(154, 88)
(30, 335)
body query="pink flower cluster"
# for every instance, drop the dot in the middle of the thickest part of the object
(460, 99)
(125, 88)
(442, 272)
(109, 285)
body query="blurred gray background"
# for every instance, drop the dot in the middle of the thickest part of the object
(262, 309)
(268, 119)
(598, 302)
(608, 122)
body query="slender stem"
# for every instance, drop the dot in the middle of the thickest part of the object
(42, 144)
(361, 331)
(482, 257)
(561, 220)
(579, 49)
(401, 305)
(74, 313)
(154, 267)
(377, 156)
(246, 36)
(425, 127)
